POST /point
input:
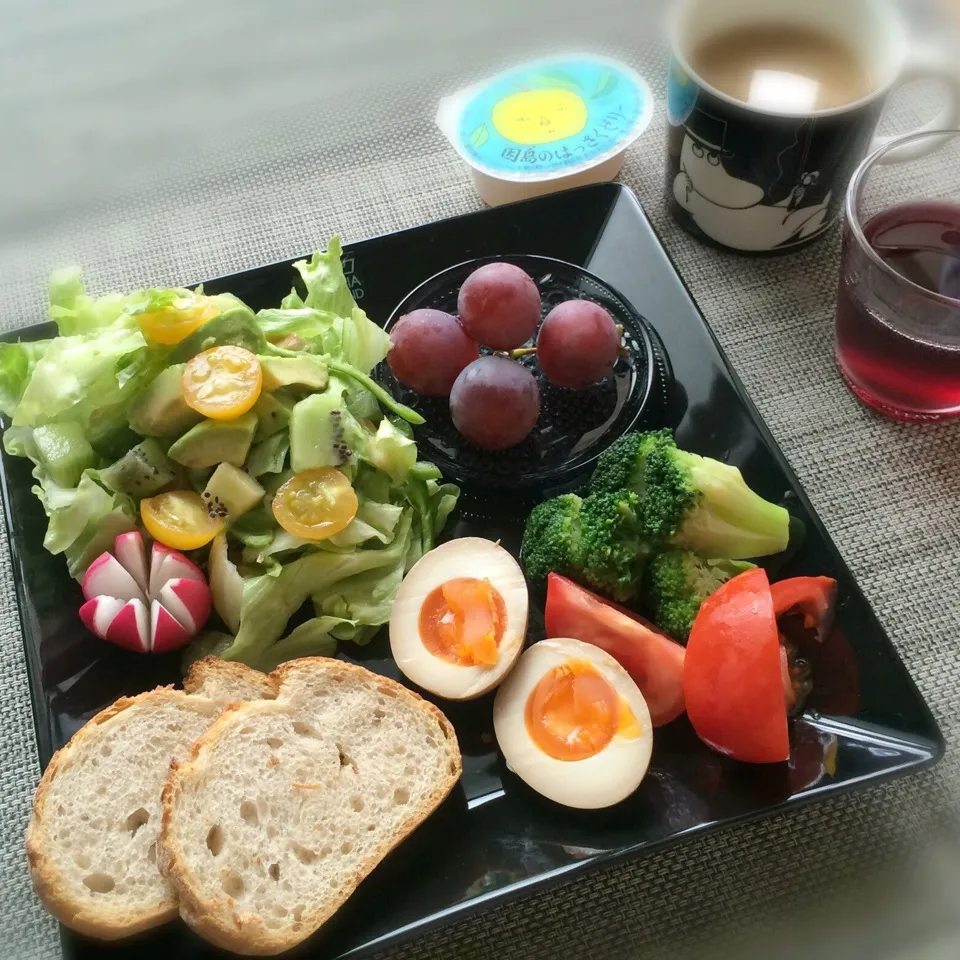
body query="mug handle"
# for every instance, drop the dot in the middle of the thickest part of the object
(925, 63)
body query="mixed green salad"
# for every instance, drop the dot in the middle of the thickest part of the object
(254, 442)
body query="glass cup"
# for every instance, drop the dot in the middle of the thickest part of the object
(898, 308)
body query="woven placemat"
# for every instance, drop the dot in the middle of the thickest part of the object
(158, 143)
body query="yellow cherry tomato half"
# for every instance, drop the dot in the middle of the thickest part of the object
(222, 383)
(179, 520)
(315, 504)
(176, 322)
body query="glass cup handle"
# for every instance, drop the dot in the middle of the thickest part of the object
(926, 64)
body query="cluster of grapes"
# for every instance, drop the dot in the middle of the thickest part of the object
(495, 401)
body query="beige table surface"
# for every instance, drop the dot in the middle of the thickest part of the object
(160, 142)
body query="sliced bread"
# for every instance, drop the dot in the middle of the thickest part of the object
(283, 807)
(91, 841)
(227, 681)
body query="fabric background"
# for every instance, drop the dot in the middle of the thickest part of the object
(162, 142)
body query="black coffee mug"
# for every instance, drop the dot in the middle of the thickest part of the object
(756, 180)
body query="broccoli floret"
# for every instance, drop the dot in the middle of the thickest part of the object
(551, 540)
(623, 464)
(692, 501)
(678, 581)
(615, 549)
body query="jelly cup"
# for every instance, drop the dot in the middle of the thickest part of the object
(547, 126)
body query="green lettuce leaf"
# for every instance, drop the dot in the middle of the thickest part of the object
(443, 501)
(320, 329)
(255, 528)
(374, 521)
(433, 503)
(327, 287)
(362, 343)
(362, 404)
(270, 455)
(391, 451)
(311, 639)
(269, 602)
(17, 362)
(371, 484)
(82, 515)
(19, 442)
(209, 643)
(292, 301)
(365, 598)
(75, 312)
(280, 543)
(98, 538)
(383, 517)
(89, 379)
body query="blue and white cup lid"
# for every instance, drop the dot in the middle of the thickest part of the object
(548, 119)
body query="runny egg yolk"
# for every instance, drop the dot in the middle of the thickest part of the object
(462, 621)
(574, 712)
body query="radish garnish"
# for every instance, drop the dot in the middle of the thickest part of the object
(147, 607)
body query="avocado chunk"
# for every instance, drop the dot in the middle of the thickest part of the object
(212, 442)
(236, 326)
(231, 492)
(321, 431)
(65, 452)
(293, 372)
(273, 415)
(143, 471)
(161, 411)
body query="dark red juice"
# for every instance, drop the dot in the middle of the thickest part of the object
(898, 333)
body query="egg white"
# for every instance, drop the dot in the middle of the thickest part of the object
(466, 557)
(602, 780)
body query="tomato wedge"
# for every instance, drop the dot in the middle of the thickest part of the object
(814, 598)
(179, 519)
(732, 675)
(653, 660)
(789, 694)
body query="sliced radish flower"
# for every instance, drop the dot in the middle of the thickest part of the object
(188, 601)
(99, 612)
(167, 564)
(166, 631)
(107, 577)
(146, 607)
(129, 626)
(132, 554)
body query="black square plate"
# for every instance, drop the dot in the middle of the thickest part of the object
(493, 838)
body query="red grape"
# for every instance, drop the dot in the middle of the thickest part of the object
(429, 351)
(495, 403)
(499, 306)
(577, 345)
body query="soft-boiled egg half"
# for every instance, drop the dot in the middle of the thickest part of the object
(573, 725)
(458, 623)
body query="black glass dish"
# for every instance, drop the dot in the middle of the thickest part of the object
(493, 838)
(575, 426)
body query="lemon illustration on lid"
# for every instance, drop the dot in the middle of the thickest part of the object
(534, 117)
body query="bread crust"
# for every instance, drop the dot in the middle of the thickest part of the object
(90, 919)
(217, 919)
(214, 670)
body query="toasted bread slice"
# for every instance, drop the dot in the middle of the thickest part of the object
(91, 841)
(283, 807)
(227, 681)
